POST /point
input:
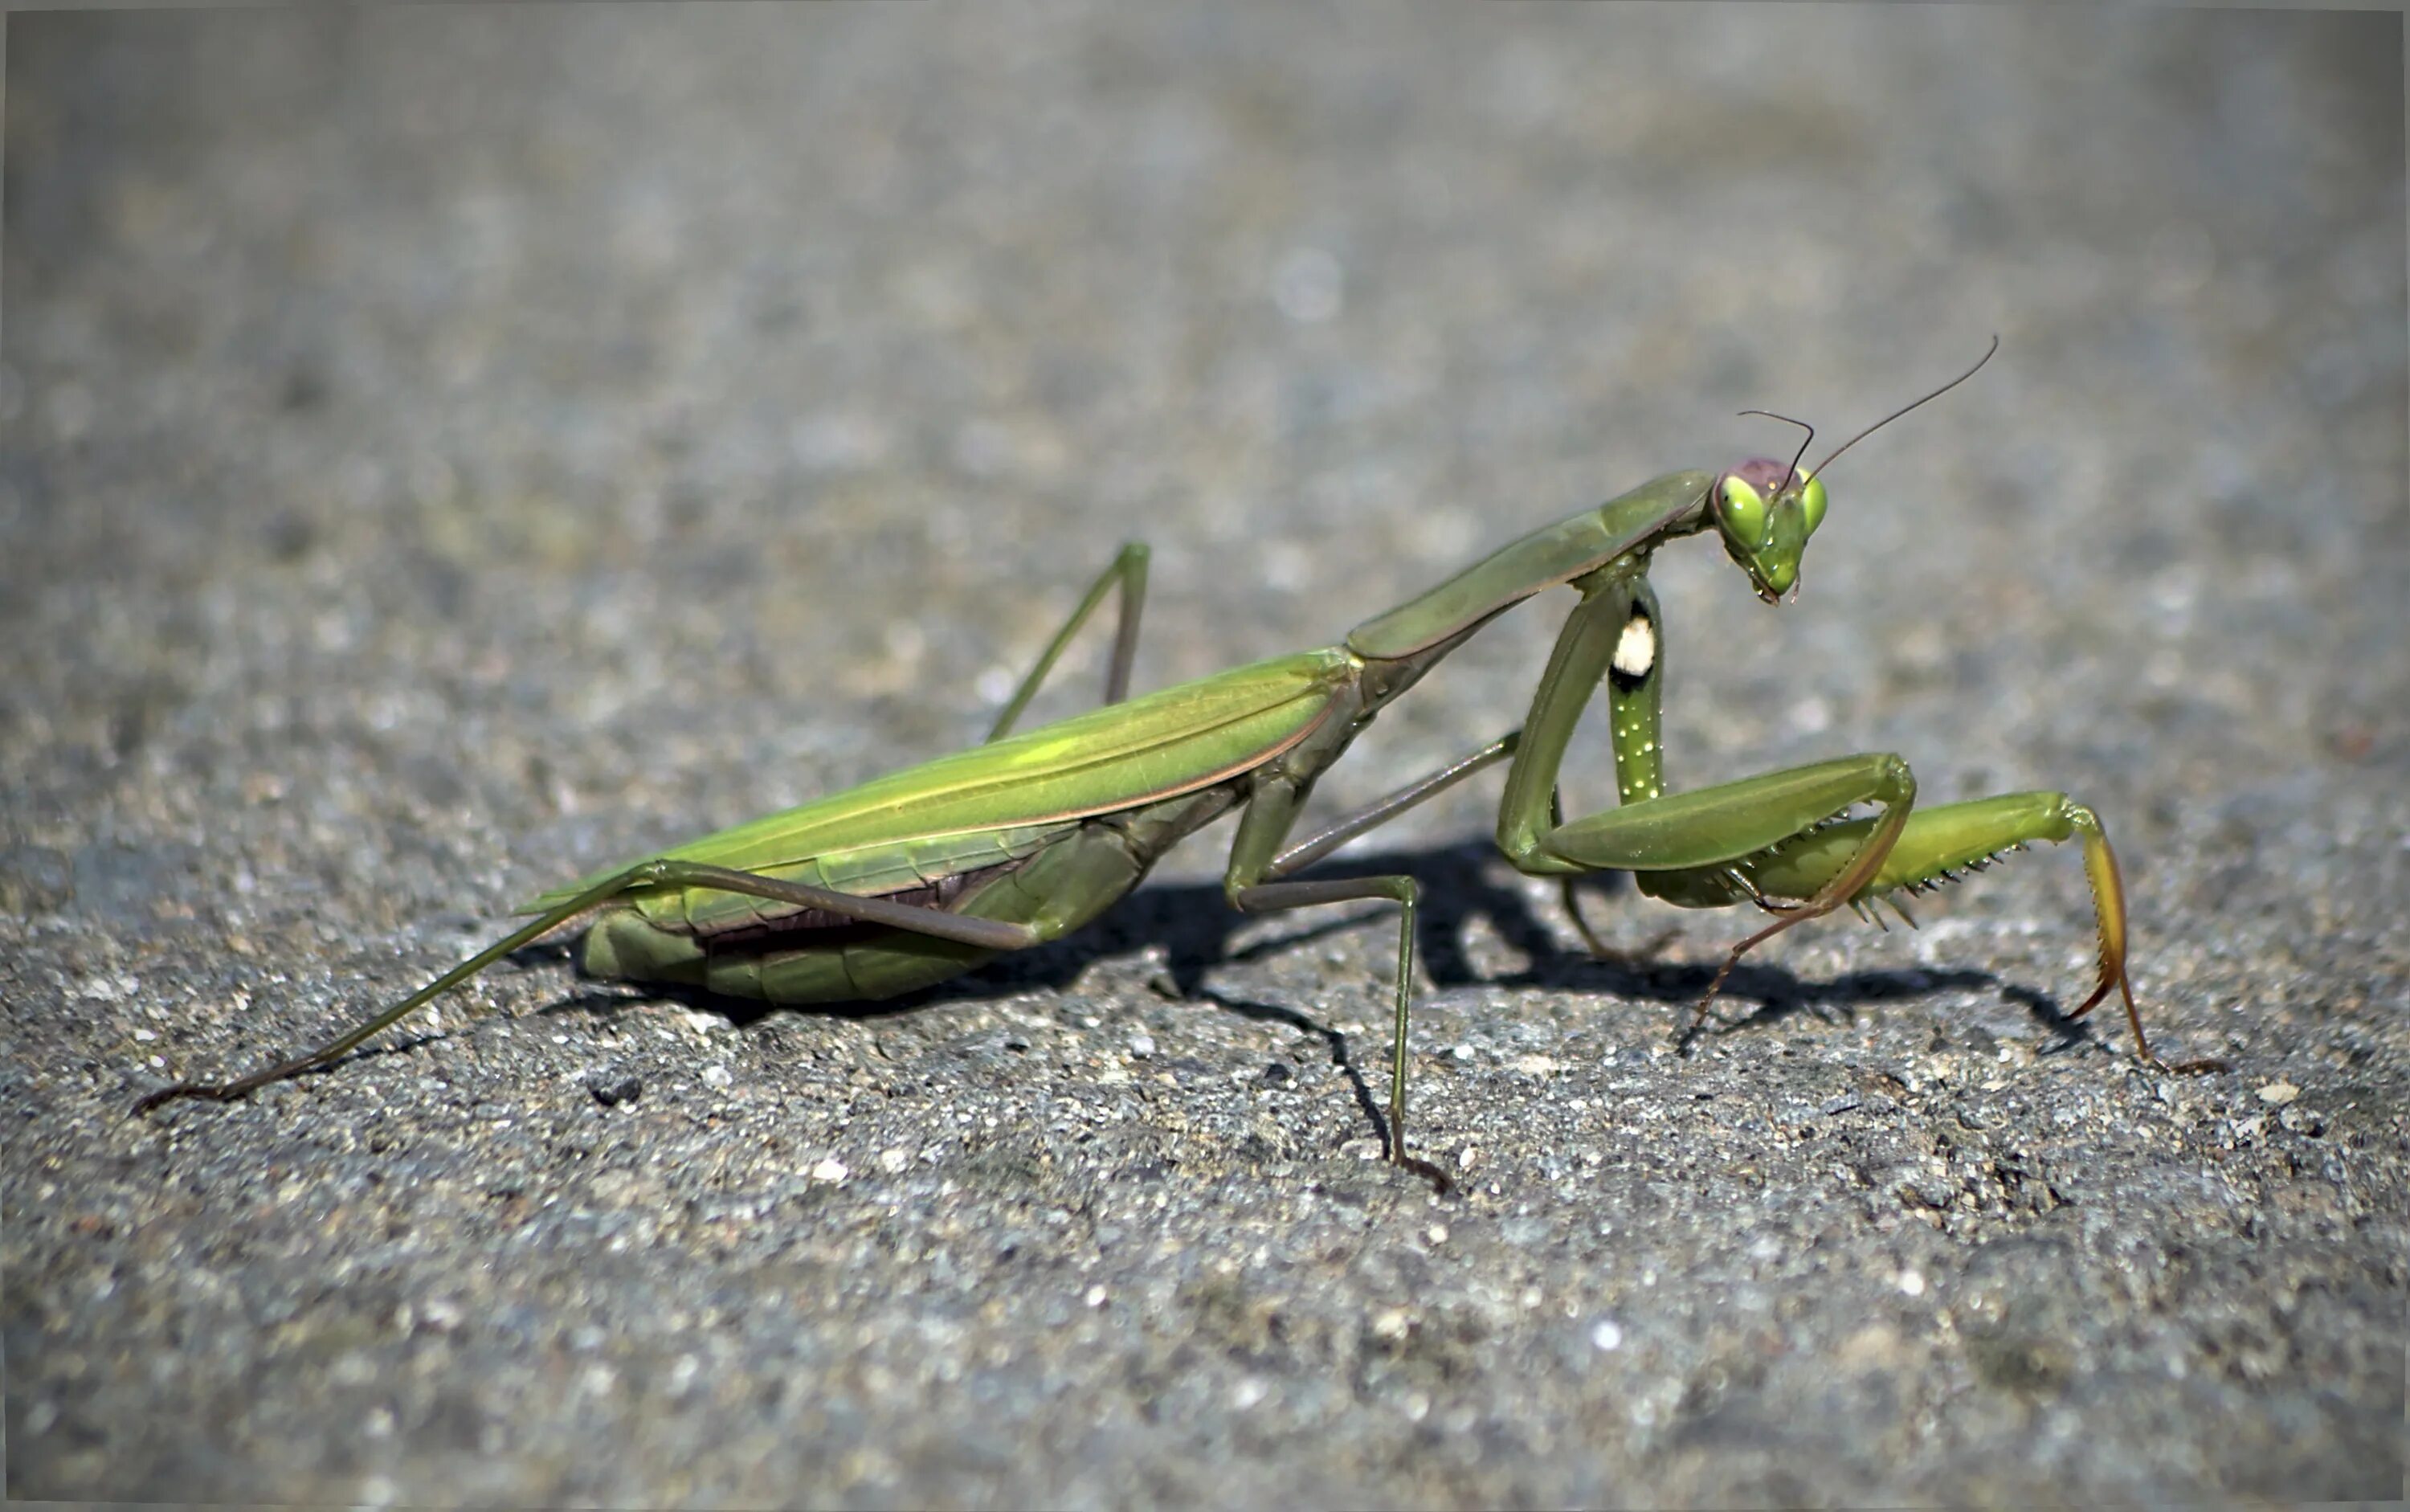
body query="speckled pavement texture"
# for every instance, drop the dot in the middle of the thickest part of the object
(449, 451)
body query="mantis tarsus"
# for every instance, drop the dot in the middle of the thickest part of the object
(916, 876)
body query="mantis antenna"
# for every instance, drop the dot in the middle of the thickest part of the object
(1792, 473)
(1912, 404)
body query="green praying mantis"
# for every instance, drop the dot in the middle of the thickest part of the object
(921, 875)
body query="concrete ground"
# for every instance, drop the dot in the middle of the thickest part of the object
(449, 451)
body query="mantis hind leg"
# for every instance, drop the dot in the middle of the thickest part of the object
(1253, 884)
(1050, 893)
(1127, 571)
(979, 934)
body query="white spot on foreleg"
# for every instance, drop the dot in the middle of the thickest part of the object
(1635, 649)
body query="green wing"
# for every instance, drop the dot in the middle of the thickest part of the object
(1156, 747)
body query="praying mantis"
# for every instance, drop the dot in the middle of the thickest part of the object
(913, 877)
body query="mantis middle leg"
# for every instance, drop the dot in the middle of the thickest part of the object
(1253, 884)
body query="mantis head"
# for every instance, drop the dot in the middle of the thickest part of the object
(1765, 511)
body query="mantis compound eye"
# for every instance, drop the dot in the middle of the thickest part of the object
(1741, 511)
(1811, 503)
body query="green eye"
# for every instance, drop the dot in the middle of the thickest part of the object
(1744, 512)
(1811, 503)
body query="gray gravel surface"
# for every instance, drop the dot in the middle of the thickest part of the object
(448, 451)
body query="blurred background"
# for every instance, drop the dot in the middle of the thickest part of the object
(446, 451)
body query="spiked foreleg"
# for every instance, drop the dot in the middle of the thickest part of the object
(1695, 848)
(1939, 845)
(1687, 848)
